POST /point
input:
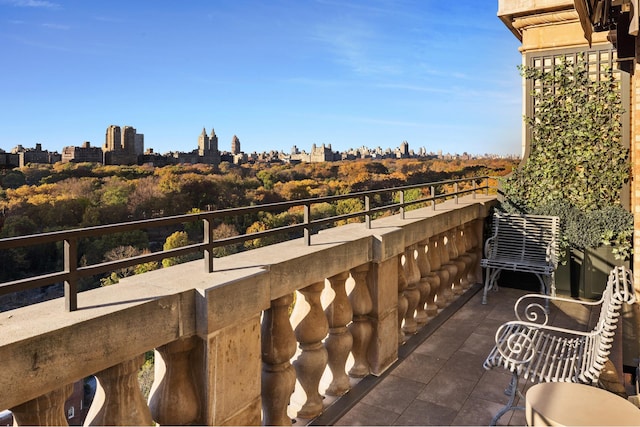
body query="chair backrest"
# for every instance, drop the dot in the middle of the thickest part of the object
(531, 238)
(619, 290)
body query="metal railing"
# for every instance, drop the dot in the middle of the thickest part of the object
(71, 271)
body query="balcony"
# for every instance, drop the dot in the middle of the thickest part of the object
(386, 328)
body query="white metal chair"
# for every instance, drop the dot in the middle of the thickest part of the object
(534, 350)
(524, 243)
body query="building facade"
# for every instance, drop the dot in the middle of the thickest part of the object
(84, 153)
(605, 34)
(208, 148)
(35, 155)
(120, 146)
(235, 145)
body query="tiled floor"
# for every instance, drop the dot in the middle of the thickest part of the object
(442, 382)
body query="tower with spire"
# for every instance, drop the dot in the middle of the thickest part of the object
(208, 152)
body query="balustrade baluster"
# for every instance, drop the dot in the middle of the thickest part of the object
(339, 342)
(361, 327)
(118, 399)
(424, 269)
(462, 243)
(433, 277)
(450, 267)
(442, 298)
(173, 399)
(474, 249)
(278, 376)
(312, 361)
(45, 410)
(402, 299)
(411, 292)
(455, 258)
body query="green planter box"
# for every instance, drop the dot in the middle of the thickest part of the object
(584, 273)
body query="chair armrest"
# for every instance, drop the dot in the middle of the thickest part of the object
(536, 312)
(516, 341)
(487, 246)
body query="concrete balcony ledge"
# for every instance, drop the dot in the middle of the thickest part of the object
(44, 347)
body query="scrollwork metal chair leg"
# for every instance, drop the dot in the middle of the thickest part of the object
(511, 391)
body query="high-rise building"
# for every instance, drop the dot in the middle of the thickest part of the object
(139, 144)
(213, 142)
(208, 152)
(120, 146)
(129, 140)
(113, 139)
(235, 145)
(203, 143)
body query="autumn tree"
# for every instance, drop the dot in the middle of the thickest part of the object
(177, 240)
(124, 252)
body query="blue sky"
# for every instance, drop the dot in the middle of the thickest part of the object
(276, 73)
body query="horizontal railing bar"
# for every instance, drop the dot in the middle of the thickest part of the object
(32, 282)
(103, 267)
(55, 236)
(90, 232)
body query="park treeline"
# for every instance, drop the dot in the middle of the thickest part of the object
(41, 198)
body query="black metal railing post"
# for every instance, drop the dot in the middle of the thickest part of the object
(433, 197)
(455, 190)
(208, 242)
(401, 204)
(307, 220)
(475, 188)
(71, 268)
(367, 209)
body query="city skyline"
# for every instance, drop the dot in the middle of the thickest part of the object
(349, 74)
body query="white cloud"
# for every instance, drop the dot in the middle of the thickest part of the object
(56, 26)
(32, 3)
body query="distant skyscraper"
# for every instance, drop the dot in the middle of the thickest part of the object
(113, 140)
(213, 142)
(208, 148)
(235, 145)
(139, 144)
(203, 143)
(129, 139)
(120, 146)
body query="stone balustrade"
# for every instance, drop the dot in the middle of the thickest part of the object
(232, 347)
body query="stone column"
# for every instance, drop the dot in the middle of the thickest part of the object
(361, 327)
(173, 399)
(230, 354)
(383, 350)
(118, 399)
(339, 342)
(278, 376)
(311, 363)
(45, 410)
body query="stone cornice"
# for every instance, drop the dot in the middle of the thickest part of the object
(545, 19)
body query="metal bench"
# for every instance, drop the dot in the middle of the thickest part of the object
(524, 243)
(536, 351)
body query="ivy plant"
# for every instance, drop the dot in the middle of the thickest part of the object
(577, 163)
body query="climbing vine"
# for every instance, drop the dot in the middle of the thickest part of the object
(577, 163)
